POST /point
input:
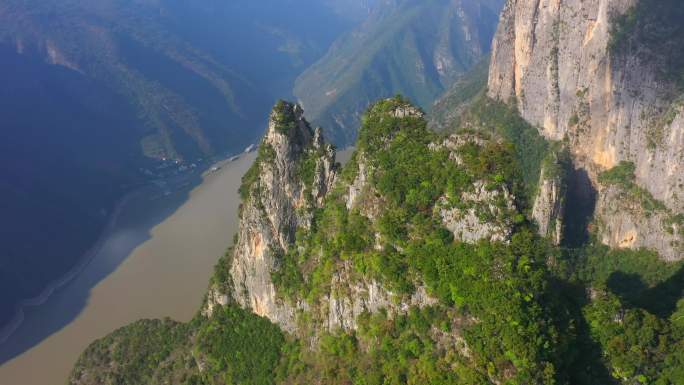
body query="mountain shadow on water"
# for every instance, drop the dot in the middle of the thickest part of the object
(133, 228)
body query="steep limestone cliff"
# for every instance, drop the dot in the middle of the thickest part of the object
(292, 174)
(555, 60)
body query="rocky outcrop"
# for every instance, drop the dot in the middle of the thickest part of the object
(349, 299)
(280, 199)
(548, 210)
(625, 223)
(484, 213)
(551, 58)
(278, 202)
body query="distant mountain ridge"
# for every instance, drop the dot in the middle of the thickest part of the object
(203, 83)
(396, 51)
(94, 91)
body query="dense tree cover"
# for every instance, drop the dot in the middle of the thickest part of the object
(498, 290)
(284, 117)
(599, 316)
(639, 346)
(238, 347)
(146, 352)
(516, 312)
(405, 349)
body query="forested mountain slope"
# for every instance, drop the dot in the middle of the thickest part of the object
(414, 263)
(473, 256)
(416, 48)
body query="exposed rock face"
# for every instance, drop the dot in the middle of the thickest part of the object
(357, 186)
(549, 205)
(325, 172)
(486, 215)
(548, 208)
(483, 213)
(349, 299)
(279, 202)
(625, 224)
(551, 57)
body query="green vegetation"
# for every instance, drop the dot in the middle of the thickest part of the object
(639, 347)
(147, 352)
(530, 147)
(481, 281)
(284, 117)
(513, 312)
(622, 175)
(549, 334)
(639, 277)
(221, 278)
(238, 347)
(599, 262)
(399, 350)
(632, 313)
(655, 26)
(233, 347)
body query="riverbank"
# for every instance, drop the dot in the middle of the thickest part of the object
(154, 261)
(178, 183)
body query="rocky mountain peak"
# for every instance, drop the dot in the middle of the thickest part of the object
(292, 174)
(289, 134)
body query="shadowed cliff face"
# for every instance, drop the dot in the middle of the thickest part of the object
(555, 61)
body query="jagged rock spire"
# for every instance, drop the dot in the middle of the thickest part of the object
(280, 201)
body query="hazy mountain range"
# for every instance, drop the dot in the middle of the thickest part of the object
(98, 93)
(93, 91)
(416, 48)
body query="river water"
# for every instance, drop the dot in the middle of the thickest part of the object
(154, 262)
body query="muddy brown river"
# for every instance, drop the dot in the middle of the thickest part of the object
(154, 262)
